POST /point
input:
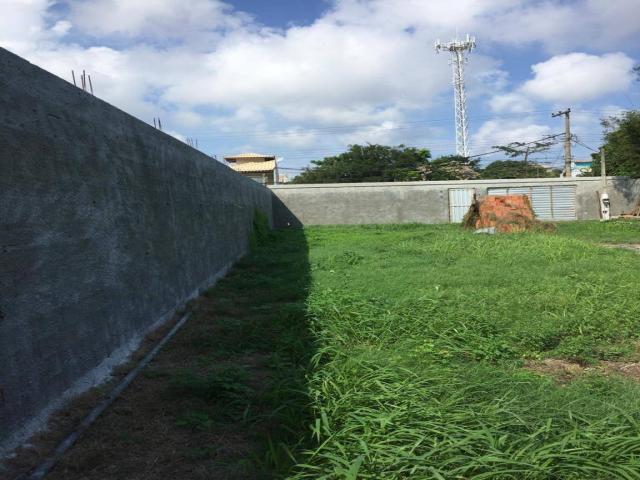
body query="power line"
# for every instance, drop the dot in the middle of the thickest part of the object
(575, 139)
(548, 137)
(331, 129)
(355, 127)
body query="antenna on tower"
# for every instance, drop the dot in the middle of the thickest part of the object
(457, 48)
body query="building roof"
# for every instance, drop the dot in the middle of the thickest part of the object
(250, 156)
(266, 166)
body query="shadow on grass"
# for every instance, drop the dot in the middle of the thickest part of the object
(251, 343)
(226, 397)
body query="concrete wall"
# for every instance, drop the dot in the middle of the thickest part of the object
(422, 202)
(107, 225)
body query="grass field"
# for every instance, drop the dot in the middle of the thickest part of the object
(421, 336)
(391, 352)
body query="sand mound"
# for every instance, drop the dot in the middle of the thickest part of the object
(505, 214)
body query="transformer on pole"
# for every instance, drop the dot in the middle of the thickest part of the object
(458, 60)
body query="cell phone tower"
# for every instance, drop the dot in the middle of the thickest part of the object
(458, 60)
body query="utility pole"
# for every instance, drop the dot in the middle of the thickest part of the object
(275, 172)
(603, 168)
(458, 60)
(605, 203)
(567, 140)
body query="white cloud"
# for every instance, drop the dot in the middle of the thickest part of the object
(23, 24)
(332, 115)
(124, 78)
(577, 77)
(177, 135)
(293, 137)
(202, 65)
(324, 66)
(556, 24)
(154, 18)
(513, 102)
(61, 27)
(189, 118)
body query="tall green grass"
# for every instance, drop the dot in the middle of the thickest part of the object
(421, 332)
(615, 231)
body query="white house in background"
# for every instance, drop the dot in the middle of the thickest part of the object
(261, 168)
(581, 167)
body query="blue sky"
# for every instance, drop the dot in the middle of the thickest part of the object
(283, 13)
(303, 79)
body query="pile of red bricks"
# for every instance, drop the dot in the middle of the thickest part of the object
(505, 213)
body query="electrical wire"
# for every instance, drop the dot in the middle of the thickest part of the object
(575, 140)
(337, 129)
(548, 137)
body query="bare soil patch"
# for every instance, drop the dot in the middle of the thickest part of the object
(155, 430)
(564, 371)
(626, 246)
(626, 369)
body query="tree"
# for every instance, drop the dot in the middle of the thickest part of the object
(452, 167)
(517, 169)
(621, 145)
(517, 149)
(369, 163)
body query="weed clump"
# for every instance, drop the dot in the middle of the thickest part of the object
(227, 383)
(260, 230)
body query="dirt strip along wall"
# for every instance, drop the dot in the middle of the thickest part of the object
(107, 226)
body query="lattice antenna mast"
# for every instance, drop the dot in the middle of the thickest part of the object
(457, 48)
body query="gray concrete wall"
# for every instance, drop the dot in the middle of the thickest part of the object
(107, 225)
(423, 202)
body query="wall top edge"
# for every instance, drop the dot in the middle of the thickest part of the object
(452, 183)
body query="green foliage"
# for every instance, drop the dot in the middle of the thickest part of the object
(621, 145)
(517, 169)
(520, 169)
(368, 163)
(195, 420)
(261, 231)
(614, 231)
(377, 163)
(518, 149)
(453, 167)
(228, 383)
